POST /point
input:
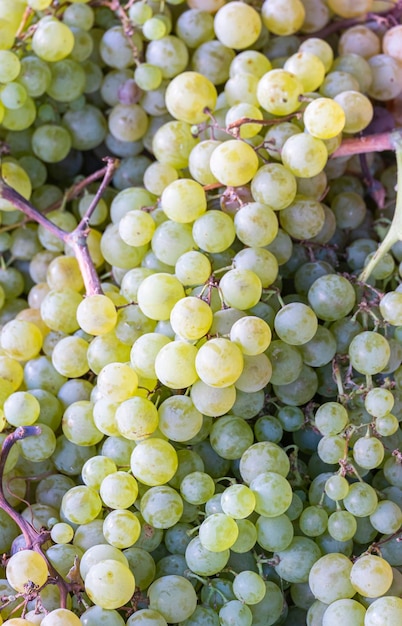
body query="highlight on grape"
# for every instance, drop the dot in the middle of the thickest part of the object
(200, 312)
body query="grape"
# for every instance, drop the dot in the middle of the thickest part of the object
(154, 461)
(25, 567)
(234, 162)
(95, 614)
(272, 492)
(388, 608)
(188, 95)
(296, 323)
(369, 352)
(308, 68)
(278, 92)
(161, 506)
(274, 533)
(109, 584)
(256, 224)
(146, 617)
(176, 364)
(296, 561)
(357, 108)
(329, 578)
(235, 610)
(371, 575)
(212, 401)
(118, 490)
(157, 294)
(52, 40)
(343, 610)
(218, 532)
(179, 420)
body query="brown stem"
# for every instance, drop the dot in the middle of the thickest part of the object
(108, 172)
(369, 143)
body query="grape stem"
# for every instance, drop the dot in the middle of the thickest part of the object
(76, 239)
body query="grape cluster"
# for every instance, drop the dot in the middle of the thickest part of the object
(201, 358)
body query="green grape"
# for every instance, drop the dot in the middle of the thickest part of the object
(274, 533)
(174, 597)
(320, 350)
(193, 268)
(308, 68)
(368, 452)
(154, 462)
(296, 561)
(241, 88)
(191, 318)
(235, 610)
(329, 578)
(96, 469)
(136, 418)
(158, 293)
(303, 219)
(286, 362)
(304, 155)
(62, 533)
(278, 92)
(230, 436)
(117, 382)
(219, 362)
(361, 500)
(21, 340)
(250, 61)
(386, 609)
(21, 408)
(349, 209)
(10, 66)
(245, 110)
(25, 566)
(188, 95)
(146, 617)
(81, 505)
(121, 528)
(194, 27)
(172, 144)
(41, 447)
(179, 420)
(237, 25)
(97, 314)
(296, 323)
(331, 418)
(252, 334)
(272, 492)
(343, 610)
(52, 40)
(241, 288)
(283, 19)
(369, 352)
(234, 162)
(390, 307)
(249, 587)
(313, 521)
(218, 532)
(69, 357)
(109, 584)
(256, 373)
(154, 28)
(78, 424)
(371, 575)
(342, 525)
(261, 262)
(336, 487)
(197, 487)
(176, 364)
(256, 224)
(263, 456)
(13, 95)
(238, 501)
(212, 59)
(169, 53)
(385, 71)
(98, 553)
(274, 185)
(95, 614)
(386, 517)
(118, 490)
(212, 401)
(357, 108)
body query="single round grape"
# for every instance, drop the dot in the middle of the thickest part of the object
(179, 420)
(118, 490)
(205, 562)
(329, 578)
(188, 95)
(371, 575)
(342, 525)
(174, 597)
(303, 219)
(369, 352)
(212, 401)
(273, 494)
(386, 609)
(304, 155)
(274, 533)
(256, 224)
(296, 323)
(283, 19)
(296, 561)
(81, 505)
(237, 25)
(343, 610)
(158, 293)
(154, 461)
(218, 532)
(336, 487)
(307, 67)
(109, 584)
(368, 452)
(331, 297)
(234, 162)
(324, 118)
(52, 40)
(361, 500)
(278, 92)
(25, 566)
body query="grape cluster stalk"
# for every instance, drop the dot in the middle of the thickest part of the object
(201, 312)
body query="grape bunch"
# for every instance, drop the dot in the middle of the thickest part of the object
(200, 312)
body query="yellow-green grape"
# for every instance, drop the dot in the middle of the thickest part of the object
(18, 179)
(304, 155)
(81, 505)
(237, 25)
(121, 528)
(324, 118)
(371, 575)
(252, 334)
(13, 95)
(219, 362)
(136, 418)
(61, 617)
(212, 401)
(241, 88)
(117, 382)
(128, 122)
(214, 231)
(10, 66)
(184, 200)
(172, 144)
(62, 533)
(274, 185)
(256, 224)
(218, 532)
(234, 163)
(21, 340)
(387, 609)
(283, 18)
(308, 68)
(320, 48)
(154, 28)
(303, 219)
(241, 288)
(188, 95)
(369, 352)
(20, 118)
(343, 8)
(78, 424)
(158, 176)
(257, 372)
(118, 490)
(144, 351)
(158, 293)
(250, 62)
(136, 228)
(278, 92)
(154, 461)
(179, 420)
(52, 40)
(24, 567)
(191, 318)
(238, 501)
(97, 314)
(244, 110)
(109, 584)
(175, 365)
(391, 43)
(64, 271)
(193, 268)
(172, 596)
(357, 108)
(58, 310)
(21, 409)
(69, 357)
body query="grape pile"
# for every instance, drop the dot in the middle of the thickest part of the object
(200, 355)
